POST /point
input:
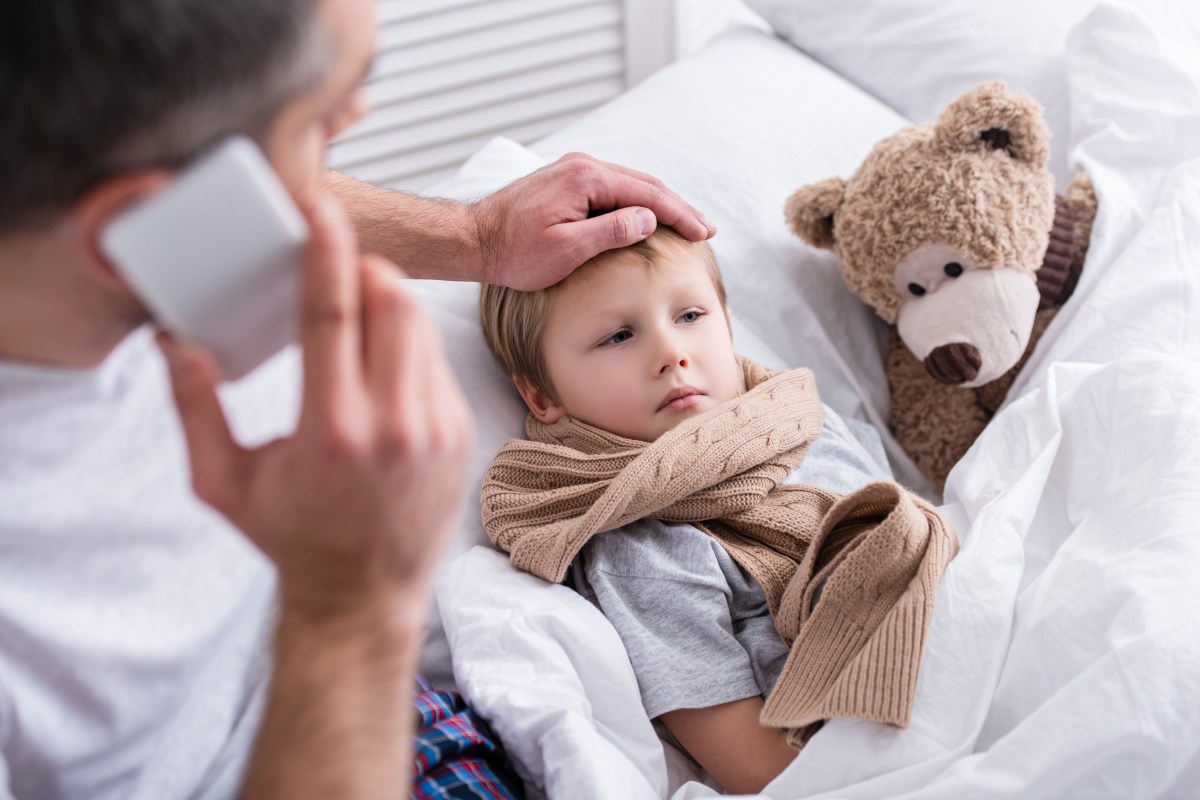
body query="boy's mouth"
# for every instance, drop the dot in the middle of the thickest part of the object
(680, 398)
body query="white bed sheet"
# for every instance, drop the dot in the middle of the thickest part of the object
(1063, 658)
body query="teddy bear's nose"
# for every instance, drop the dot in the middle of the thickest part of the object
(953, 363)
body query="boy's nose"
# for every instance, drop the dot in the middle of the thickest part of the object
(670, 365)
(672, 357)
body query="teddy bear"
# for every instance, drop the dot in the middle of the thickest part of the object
(952, 232)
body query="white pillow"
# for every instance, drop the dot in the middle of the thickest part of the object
(550, 673)
(918, 55)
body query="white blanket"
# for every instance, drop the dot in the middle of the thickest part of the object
(1064, 655)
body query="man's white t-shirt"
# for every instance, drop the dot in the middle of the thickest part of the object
(135, 623)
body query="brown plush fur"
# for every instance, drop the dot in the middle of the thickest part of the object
(975, 180)
(937, 423)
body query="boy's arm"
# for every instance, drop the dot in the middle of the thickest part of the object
(731, 744)
(528, 235)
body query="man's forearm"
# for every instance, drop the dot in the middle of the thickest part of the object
(426, 237)
(339, 719)
(527, 235)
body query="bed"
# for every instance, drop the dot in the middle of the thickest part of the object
(1063, 659)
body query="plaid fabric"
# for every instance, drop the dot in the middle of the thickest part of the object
(457, 755)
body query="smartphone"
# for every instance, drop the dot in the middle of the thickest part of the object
(215, 256)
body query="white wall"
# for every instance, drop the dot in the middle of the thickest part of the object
(698, 21)
(451, 74)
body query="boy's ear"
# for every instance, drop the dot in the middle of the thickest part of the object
(540, 404)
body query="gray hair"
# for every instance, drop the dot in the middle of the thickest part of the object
(91, 88)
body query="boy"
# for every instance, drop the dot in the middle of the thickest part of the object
(633, 346)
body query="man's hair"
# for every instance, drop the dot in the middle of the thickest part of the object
(514, 322)
(91, 88)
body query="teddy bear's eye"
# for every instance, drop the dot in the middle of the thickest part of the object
(953, 269)
(916, 289)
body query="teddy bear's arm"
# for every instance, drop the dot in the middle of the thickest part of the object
(935, 423)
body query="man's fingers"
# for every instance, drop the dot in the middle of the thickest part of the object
(393, 341)
(621, 187)
(585, 238)
(213, 453)
(451, 423)
(330, 327)
(419, 408)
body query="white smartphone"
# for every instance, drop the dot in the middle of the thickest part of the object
(216, 255)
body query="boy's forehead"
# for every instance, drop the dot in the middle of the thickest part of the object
(624, 281)
(614, 269)
(599, 270)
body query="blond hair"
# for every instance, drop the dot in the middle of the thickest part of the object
(514, 322)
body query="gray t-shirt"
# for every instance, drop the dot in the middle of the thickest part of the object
(695, 624)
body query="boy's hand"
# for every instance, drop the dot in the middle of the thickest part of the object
(536, 231)
(354, 508)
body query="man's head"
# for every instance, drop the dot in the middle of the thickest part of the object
(634, 341)
(98, 89)
(106, 101)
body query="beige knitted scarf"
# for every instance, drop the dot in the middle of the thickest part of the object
(875, 555)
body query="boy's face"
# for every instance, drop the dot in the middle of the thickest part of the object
(634, 349)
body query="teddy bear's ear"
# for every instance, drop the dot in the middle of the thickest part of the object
(810, 211)
(993, 117)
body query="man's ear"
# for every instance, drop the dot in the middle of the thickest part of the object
(540, 404)
(92, 213)
(811, 208)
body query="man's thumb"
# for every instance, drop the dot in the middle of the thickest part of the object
(642, 223)
(622, 227)
(212, 451)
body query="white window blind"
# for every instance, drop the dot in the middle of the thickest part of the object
(451, 74)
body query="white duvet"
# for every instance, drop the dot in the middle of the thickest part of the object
(1064, 655)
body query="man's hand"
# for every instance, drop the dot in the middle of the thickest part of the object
(529, 234)
(354, 509)
(355, 506)
(536, 231)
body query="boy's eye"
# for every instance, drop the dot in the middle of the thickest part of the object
(618, 337)
(691, 316)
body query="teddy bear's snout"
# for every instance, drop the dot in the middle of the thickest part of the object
(954, 363)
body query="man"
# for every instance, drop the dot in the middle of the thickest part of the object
(147, 649)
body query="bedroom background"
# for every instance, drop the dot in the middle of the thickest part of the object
(450, 75)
